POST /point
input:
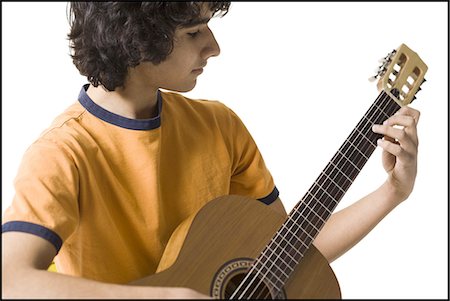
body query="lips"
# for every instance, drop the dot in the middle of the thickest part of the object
(199, 69)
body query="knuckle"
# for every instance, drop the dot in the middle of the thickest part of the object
(397, 150)
(410, 121)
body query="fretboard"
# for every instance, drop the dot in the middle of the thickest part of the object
(297, 233)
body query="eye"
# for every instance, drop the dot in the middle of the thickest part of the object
(193, 34)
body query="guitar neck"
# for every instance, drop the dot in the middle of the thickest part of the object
(297, 233)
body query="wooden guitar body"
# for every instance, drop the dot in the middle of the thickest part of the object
(220, 243)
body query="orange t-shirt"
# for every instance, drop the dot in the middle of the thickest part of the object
(108, 191)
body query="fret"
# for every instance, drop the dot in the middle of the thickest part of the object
(297, 239)
(355, 148)
(365, 137)
(279, 251)
(269, 276)
(371, 121)
(305, 219)
(344, 183)
(297, 254)
(293, 216)
(342, 173)
(332, 180)
(327, 183)
(320, 218)
(283, 248)
(306, 225)
(318, 201)
(345, 167)
(348, 166)
(291, 246)
(322, 196)
(313, 227)
(273, 264)
(307, 234)
(354, 141)
(313, 197)
(386, 116)
(363, 148)
(326, 192)
(311, 216)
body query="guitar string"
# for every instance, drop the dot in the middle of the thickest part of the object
(269, 257)
(275, 239)
(323, 181)
(358, 168)
(362, 155)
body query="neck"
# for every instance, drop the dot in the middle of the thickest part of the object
(135, 101)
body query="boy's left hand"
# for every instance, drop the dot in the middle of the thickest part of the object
(400, 145)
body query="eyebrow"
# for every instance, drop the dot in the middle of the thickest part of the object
(196, 22)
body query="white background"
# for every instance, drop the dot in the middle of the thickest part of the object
(296, 73)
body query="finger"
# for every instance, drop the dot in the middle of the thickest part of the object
(402, 120)
(408, 111)
(398, 134)
(391, 147)
(390, 139)
(396, 150)
(407, 122)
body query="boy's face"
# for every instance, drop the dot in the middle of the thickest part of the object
(193, 46)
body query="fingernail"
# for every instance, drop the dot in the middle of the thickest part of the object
(385, 122)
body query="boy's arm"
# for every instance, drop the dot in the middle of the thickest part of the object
(348, 226)
(26, 257)
(400, 145)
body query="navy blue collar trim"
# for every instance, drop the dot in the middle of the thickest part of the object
(110, 117)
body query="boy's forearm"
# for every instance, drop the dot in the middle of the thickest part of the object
(40, 284)
(348, 226)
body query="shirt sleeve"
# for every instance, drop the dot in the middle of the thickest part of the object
(250, 175)
(46, 189)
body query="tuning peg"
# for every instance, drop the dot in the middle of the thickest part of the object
(424, 80)
(373, 78)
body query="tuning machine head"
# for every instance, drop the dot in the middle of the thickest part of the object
(381, 70)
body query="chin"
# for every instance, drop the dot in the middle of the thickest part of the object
(181, 88)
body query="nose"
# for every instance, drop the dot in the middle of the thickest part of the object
(211, 47)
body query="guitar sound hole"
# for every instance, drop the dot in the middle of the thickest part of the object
(255, 289)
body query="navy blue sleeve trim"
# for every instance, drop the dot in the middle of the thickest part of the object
(35, 229)
(271, 197)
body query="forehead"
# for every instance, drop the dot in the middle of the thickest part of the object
(205, 15)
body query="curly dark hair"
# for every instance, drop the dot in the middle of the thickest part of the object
(107, 38)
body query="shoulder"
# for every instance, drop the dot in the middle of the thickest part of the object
(213, 110)
(180, 101)
(65, 132)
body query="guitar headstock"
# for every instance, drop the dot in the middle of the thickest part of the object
(401, 74)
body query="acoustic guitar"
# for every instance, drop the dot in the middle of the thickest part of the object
(238, 248)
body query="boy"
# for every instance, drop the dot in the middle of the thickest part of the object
(105, 186)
